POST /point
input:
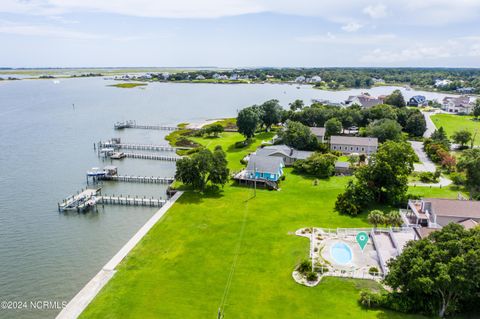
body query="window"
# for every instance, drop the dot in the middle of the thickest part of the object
(363, 149)
(272, 175)
(351, 148)
(357, 148)
(334, 147)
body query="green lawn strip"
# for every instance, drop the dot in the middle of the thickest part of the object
(127, 85)
(452, 123)
(180, 269)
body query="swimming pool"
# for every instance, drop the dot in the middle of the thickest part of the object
(341, 253)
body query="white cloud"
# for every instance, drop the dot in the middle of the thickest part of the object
(381, 56)
(352, 27)
(367, 39)
(376, 11)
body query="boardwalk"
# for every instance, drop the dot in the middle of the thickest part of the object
(143, 147)
(130, 201)
(137, 179)
(152, 156)
(134, 125)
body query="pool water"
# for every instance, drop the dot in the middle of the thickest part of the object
(341, 253)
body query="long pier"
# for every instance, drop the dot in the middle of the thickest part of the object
(137, 179)
(133, 124)
(152, 156)
(144, 147)
(130, 201)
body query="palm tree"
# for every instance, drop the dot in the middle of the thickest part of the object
(376, 217)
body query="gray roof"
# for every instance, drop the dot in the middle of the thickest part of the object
(318, 131)
(284, 150)
(264, 164)
(342, 165)
(353, 140)
(454, 207)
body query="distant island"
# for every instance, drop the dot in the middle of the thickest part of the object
(128, 85)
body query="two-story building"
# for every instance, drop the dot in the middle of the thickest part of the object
(363, 100)
(353, 144)
(460, 104)
(417, 100)
(438, 212)
(319, 133)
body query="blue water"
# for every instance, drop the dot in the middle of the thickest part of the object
(46, 146)
(341, 253)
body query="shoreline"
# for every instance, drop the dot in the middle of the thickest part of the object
(85, 296)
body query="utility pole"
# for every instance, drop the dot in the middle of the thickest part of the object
(255, 180)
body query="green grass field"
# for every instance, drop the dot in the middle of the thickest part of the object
(452, 123)
(237, 251)
(129, 85)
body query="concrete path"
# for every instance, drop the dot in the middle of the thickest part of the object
(200, 124)
(430, 125)
(426, 164)
(443, 182)
(81, 300)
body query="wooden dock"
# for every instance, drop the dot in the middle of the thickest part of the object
(143, 147)
(137, 179)
(152, 156)
(130, 201)
(134, 125)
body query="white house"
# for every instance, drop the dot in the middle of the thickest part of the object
(352, 144)
(460, 104)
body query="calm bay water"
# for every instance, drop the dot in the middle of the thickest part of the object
(46, 146)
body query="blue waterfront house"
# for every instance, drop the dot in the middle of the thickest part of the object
(265, 167)
(417, 100)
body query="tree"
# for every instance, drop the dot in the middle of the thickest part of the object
(298, 136)
(296, 105)
(437, 274)
(476, 109)
(332, 127)
(218, 174)
(470, 163)
(214, 129)
(317, 164)
(440, 137)
(394, 219)
(395, 99)
(375, 217)
(353, 159)
(385, 130)
(271, 113)
(203, 167)
(384, 180)
(248, 121)
(462, 137)
(416, 125)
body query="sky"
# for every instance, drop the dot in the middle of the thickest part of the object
(239, 33)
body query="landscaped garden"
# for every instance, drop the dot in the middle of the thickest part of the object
(234, 251)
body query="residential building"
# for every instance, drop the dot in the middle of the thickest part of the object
(468, 90)
(460, 104)
(352, 144)
(200, 77)
(300, 79)
(437, 212)
(417, 100)
(363, 100)
(287, 153)
(343, 168)
(316, 79)
(265, 167)
(319, 133)
(440, 83)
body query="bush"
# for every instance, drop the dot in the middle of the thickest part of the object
(312, 276)
(428, 177)
(373, 271)
(370, 299)
(317, 164)
(458, 178)
(304, 267)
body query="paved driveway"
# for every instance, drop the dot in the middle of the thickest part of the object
(430, 125)
(426, 164)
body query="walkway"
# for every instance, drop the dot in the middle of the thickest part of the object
(426, 164)
(76, 306)
(430, 125)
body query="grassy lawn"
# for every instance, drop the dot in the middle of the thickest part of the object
(128, 85)
(452, 123)
(234, 247)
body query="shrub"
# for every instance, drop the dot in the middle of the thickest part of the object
(304, 267)
(370, 299)
(458, 178)
(312, 276)
(373, 271)
(428, 177)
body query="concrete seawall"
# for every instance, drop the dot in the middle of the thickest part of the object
(81, 300)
